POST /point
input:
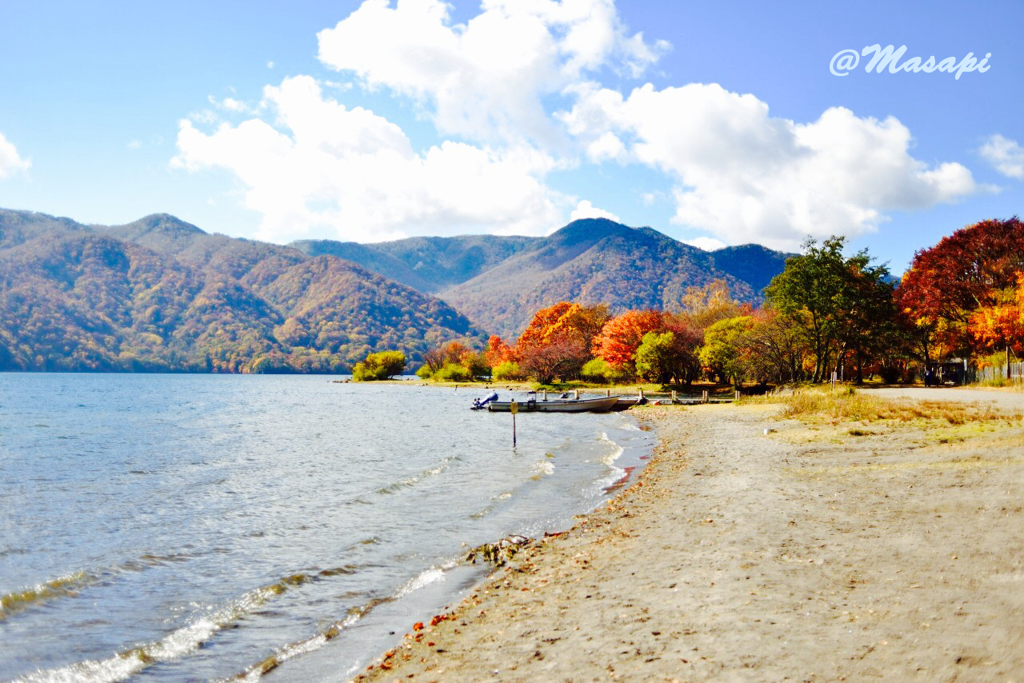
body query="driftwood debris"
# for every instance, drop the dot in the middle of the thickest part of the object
(499, 553)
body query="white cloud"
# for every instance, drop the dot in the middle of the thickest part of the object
(747, 176)
(485, 79)
(310, 164)
(203, 116)
(587, 210)
(10, 161)
(230, 104)
(135, 144)
(337, 85)
(270, 65)
(608, 147)
(706, 243)
(1005, 155)
(351, 174)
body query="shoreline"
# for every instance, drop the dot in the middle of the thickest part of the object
(439, 585)
(739, 554)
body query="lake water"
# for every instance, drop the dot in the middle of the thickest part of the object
(191, 526)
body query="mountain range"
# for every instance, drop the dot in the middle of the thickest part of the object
(499, 282)
(160, 294)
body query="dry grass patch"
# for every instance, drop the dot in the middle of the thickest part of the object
(852, 406)
(969, 463)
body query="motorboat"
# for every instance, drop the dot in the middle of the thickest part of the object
(583, 405)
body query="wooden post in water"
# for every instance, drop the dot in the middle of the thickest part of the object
(737, 394)
(704, 397)
(514, 408)
(545, 394)
(608, 393)
(673, 395)
(576, 394)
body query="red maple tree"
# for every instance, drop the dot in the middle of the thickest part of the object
(970, 270)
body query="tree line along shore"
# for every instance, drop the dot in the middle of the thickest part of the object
(826, 316)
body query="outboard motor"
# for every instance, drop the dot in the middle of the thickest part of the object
(480, 404)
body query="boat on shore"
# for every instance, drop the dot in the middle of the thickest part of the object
(603, 404)
(627, 402)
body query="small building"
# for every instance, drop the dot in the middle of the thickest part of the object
(953, 371)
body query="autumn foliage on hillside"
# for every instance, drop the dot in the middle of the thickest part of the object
(77, 298)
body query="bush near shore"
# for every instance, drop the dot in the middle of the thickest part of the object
(379, 366)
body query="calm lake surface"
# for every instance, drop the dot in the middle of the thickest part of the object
(191, 526)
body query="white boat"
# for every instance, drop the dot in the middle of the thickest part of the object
(582, 405)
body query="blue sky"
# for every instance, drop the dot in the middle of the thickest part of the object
(367, 122)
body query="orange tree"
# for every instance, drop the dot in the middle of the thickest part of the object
(563, 321)
(1001, 323)
(556, 343)
(621, 336)
(498, 352)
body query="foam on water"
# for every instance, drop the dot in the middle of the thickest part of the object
(176, 644)
(614, 450)
(425, 578)
(411, 480)
(71, 585)
(542, 467)
(64, 586)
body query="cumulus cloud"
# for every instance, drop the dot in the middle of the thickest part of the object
(491, 86)
(229, 104)
(10, 161)
(706, 243)
(486, 79)
(744, 175)
(1005, 155)
(325, 169)
(587, 210)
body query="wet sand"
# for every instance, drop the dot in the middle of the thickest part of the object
(809, 553)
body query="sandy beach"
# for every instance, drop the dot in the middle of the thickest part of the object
(823, 551)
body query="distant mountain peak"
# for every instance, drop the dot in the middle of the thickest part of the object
(165, 222)
(590, 228)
